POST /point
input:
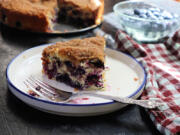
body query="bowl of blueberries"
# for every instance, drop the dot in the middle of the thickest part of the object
(146, 22)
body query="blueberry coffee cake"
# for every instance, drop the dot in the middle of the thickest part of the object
(40, 15)
(78, 63)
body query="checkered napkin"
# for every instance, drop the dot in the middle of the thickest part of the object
(162, 65)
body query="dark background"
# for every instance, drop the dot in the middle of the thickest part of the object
(16, 118)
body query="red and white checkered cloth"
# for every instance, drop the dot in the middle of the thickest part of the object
(162, 64)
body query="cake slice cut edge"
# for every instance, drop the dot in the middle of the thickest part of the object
(82, 13)
(79, 63)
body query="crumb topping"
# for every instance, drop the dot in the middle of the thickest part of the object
(78, 49)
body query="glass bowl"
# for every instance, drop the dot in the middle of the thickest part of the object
(143, 26)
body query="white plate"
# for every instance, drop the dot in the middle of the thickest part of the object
(125, 77)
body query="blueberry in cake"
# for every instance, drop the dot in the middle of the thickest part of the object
(78, 63)
(40, 15)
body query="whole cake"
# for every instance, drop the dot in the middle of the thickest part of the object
(40, 15)
(78, 63)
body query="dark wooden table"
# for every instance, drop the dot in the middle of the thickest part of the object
(17, 118)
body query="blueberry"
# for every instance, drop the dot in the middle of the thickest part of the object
(140, 11)
(97, 63)
(78, 71)
(67, 80)
(69, 64)
(157, 14)
(137, 12)
(63, 78)
(151, 15)
(92, 78)
(59, 63)
(167, 15)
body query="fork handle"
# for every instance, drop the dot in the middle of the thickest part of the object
(143, 103)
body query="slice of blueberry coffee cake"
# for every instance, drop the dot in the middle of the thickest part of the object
(78, 63)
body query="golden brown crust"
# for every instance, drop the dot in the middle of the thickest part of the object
(77, 50)
(33, 15)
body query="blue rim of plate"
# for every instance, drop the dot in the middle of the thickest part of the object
(64, 104)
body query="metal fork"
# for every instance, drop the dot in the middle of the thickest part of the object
(43, 90)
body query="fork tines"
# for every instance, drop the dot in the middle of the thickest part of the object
(46, 91)
(41, 88)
